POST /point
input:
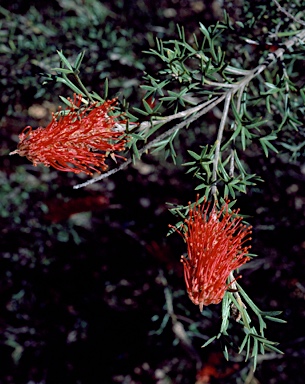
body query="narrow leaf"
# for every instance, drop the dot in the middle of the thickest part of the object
(209, 341)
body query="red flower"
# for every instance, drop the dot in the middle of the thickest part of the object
(77, 142)
(215, 247)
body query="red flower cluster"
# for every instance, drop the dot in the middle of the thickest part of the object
(77, 142)
(215, 245)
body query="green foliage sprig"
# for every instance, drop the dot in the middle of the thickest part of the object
(254, 342)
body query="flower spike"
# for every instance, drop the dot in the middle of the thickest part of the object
(77, 142)
(215, 246)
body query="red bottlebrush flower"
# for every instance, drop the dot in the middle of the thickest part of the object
(215, 246)
(77, 142)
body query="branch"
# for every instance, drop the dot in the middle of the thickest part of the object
(241, 315)
(202, 111)
(204, 108)
(232, 161)
(219, 140)
(283, 10)
(148, 124)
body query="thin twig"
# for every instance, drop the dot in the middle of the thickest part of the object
(84, 89)
(238, 106)
(218, 85)
(233, 285)
(180, 115)
(219, 140)
(283, 10)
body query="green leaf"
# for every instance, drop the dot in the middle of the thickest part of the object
(254, 353)
(248, 348)
(66, 101)
(226, 191)
(240, 24)
(266, 145)
(148, 108)
(205, 31)
(69, 84)
(257, 124)
(236, 132)
(135, 151)
(237, 114)
(194, 155)
(63, 70)
(268, 105)
(271, 313)
(191, 169)
(64, 60)
(272, 86)
(78, 60)
(275, 319)
(243, 138)
(273, 348)
(226, 353)
(145, 113)
(209, 341)
(106, 86)
(260, 338)
(242, 346)
(98, 97)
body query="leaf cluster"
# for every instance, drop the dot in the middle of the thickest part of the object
(254, 341)
(193, 72)
(202, 168)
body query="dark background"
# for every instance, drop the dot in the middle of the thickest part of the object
(83, 273)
